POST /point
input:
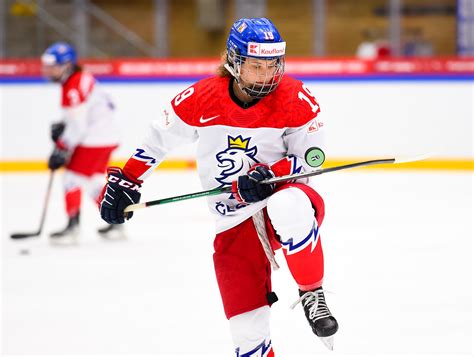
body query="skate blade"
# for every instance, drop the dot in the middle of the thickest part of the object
(65, 241)
(113, 236)
(328, 342)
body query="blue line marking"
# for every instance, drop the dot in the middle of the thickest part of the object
(326, 78)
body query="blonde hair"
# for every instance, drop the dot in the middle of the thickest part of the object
(221, 70)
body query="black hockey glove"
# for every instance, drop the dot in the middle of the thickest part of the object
(248, 188)
(57, 130)
(58, 158)
(117, 194)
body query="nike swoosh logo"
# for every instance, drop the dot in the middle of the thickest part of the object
(202, 120)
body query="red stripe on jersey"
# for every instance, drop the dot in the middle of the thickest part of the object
(283, 166)
(134, 169)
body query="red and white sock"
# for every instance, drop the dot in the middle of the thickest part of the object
(293, 217)
(73, 201)
(251, 333)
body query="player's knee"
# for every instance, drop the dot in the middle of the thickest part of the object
(291, 212)
(95, 185)
(72, 180)
(251, 332)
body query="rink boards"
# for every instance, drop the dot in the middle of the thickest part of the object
(362, 118)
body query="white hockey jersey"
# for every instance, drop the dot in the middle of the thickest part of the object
(231, 139)
(88, 112)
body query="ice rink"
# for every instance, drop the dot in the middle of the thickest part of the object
(398, 250)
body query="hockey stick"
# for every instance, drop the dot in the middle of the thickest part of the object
(43, 214)
(228, 189)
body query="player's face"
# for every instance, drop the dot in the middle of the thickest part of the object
(261, 76)
(258, 71)
(53, 72)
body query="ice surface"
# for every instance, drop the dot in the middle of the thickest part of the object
(398, 252)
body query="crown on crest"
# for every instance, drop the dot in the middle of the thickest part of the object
(238, 142)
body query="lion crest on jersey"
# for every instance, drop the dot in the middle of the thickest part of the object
(237, 158)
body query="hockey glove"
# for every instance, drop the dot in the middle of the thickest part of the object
(58, 158)
(248, 188)
(57, 130)
(118, 193)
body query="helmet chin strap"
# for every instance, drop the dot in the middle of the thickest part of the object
(68, 70)
(230, 69)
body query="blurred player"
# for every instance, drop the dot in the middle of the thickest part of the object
(251, 123)
(84, 140)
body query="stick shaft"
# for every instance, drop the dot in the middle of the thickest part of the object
(213, 192)
(43, 213)
(46, 200)
(329, 169)
(228, 189)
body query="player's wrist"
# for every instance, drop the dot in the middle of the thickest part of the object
(117, 172)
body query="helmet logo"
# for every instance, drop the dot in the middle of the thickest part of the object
(253, 49)
(266, 49)
(242, 27)
(62, 49)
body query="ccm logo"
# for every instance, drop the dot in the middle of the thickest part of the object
(124, 183)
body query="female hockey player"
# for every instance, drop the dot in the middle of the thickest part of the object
(251, 123)
(84, 140)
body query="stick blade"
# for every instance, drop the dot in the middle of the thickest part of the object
(24, 235)
(401, 160)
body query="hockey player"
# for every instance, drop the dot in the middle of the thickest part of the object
(84, 140)
(251, 123)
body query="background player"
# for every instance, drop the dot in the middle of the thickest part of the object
(252, 123)
(84, 140)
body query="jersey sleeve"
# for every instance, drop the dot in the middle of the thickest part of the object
(167, 132)
(77, 89)
(306, 142)
(76, 93)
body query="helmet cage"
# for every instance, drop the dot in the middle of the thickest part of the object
(64, 71)
(256, 89)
